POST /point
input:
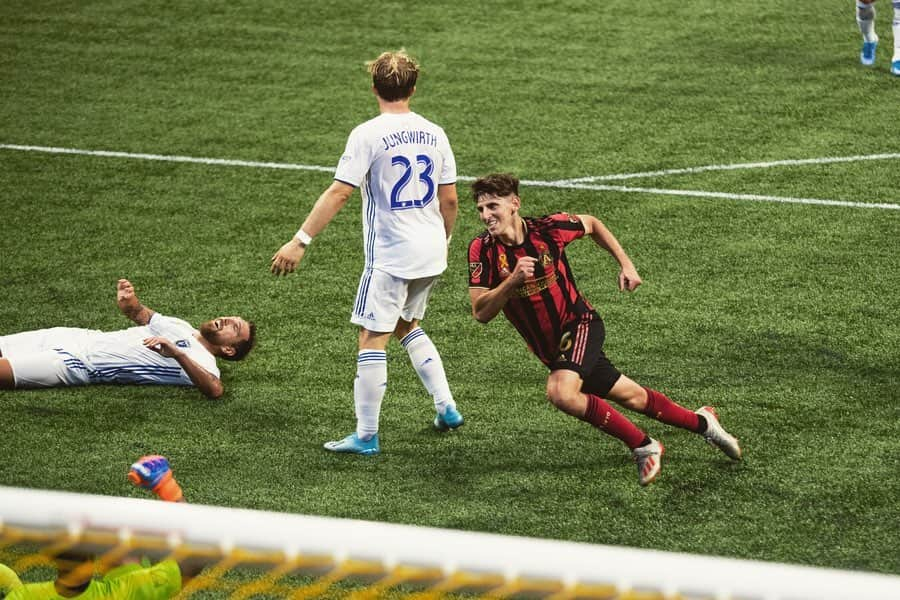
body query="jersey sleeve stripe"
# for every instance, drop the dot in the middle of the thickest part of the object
(569, 225)
(355, 185)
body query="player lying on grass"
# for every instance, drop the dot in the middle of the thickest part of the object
(139, 581)
(519, 266)
(158, 582)
(160, 350)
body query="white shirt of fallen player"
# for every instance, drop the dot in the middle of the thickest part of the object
(74, 356)
(398, 160)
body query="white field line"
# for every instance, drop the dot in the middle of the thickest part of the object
(705, 194)
(170, 158)
(580, 183)
(756, 165)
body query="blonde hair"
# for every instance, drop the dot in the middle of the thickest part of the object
(394, 75)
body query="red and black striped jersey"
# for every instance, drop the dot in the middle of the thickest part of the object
(549, 301)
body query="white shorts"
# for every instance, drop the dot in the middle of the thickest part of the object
(383, 299)
(47, 357)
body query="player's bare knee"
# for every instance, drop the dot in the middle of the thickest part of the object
(551, 398)
(373, 340)
(551, 391)
(636, 400)
(404, 328)
(563, 399)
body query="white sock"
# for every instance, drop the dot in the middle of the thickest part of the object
(368, 391)
(896, 31)
(865, 18)
(427, 363)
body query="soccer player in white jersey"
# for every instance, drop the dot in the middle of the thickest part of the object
(161, 350)
(865, 18)
(406, 173)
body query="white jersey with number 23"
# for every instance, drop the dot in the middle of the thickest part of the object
(398, 161)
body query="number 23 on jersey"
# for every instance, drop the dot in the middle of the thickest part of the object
(424, 167)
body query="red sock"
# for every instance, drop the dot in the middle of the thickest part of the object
(662, 409)
(606, 418)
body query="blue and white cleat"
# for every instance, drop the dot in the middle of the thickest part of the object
(867, 54)
(451, 419)
(895, 68)
(353, 445)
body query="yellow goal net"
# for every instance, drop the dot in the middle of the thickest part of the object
(257, 555)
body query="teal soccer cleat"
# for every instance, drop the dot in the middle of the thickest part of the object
(895, 68)
(867, 54)
(353, 445)
(451, 419)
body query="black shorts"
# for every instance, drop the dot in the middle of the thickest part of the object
(581, 350)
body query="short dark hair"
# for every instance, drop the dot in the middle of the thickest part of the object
(243, 348)
(495, 184)
(394, 75)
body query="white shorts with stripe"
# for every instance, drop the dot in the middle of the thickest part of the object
(48, 357)
(383, 299)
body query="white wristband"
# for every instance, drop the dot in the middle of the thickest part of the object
(304, 238)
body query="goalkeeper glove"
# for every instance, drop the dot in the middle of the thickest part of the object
(153, 473)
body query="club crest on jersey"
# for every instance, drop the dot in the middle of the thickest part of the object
(544, 255)
(572, 218)
(183, 344)
(475, 270)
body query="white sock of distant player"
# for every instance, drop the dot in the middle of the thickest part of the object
(427, 363)
(896, 31)
(368, 391)
(865, 17)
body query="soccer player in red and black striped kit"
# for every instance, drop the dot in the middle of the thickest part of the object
(519, 266)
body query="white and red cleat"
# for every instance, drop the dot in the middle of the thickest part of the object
(716, 435)
(649, 461)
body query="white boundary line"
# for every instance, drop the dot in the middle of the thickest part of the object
(704, 194)
(756, 165)
(583, 183)
(170, 158)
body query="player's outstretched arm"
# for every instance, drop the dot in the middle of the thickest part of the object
(206, 382)
(327, 206)
(487, 304)
(129, 304)
(603, 237)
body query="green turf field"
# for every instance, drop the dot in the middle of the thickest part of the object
(784, 315)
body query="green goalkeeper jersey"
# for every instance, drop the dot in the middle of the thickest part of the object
(159, 582)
